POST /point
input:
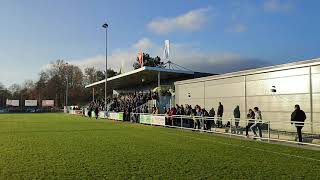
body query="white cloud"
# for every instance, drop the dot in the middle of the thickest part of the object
(143, 43)
(277, 6)
(127, 56)
(193, 20)
(183, 54)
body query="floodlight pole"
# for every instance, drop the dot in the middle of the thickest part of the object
(105, 25)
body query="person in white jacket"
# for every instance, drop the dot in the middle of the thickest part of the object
(257, 123)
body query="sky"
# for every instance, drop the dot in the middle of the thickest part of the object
(208, 35)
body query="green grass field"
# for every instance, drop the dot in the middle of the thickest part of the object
(62, 146)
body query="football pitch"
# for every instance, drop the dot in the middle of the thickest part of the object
(60, 146)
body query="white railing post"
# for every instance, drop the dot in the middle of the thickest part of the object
(269, 131)
(203, 124)
(181, 122)
(230, 133)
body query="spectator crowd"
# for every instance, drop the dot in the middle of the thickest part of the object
(132, 104)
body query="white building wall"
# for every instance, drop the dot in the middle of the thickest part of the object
(292, 88)
(230, 92)
(316, 96)
(192, 94)
(249, 91)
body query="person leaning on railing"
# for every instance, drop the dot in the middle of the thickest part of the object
(212, 113)
(250, 117)
(257, 122)
(297, 118)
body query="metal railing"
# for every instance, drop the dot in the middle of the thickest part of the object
(281, 131)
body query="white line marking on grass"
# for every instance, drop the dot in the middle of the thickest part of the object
(252, 148)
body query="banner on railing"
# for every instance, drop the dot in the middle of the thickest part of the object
(30, 103)
(75, 112)
(159, 120)
(116, 116)
(47, 103)
(102, 114)
(151, 119)
(12, 102)
(145, 118)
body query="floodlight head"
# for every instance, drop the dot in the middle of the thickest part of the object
(105, 25)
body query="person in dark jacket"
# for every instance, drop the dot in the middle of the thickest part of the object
(205, 121)
(220, 114)
(212, 113)
(236, 115)
(90, 112)
(297, 118)
(96, 112)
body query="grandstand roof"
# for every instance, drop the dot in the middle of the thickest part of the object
(149, 75)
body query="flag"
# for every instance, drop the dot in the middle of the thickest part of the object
(166, 52)
(140, 58)
(121, 67)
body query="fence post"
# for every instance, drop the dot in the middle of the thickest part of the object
(269, 123)
(214, 124)
(247, 123)
(230, 129)
(181, 122)
(202, 124)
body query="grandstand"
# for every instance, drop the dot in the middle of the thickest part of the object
(145, 79)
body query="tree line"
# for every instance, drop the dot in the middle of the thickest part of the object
(52, 83)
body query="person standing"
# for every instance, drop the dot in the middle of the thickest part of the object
(204, 120)
(250, 118)
(236, 115)
(212, 113)
(220, 114)
(297, 118)
(96, 111)
(83, 112)
(257, 123)
(90, 112)
(198, 116)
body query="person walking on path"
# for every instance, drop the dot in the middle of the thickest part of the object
(297, 118)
